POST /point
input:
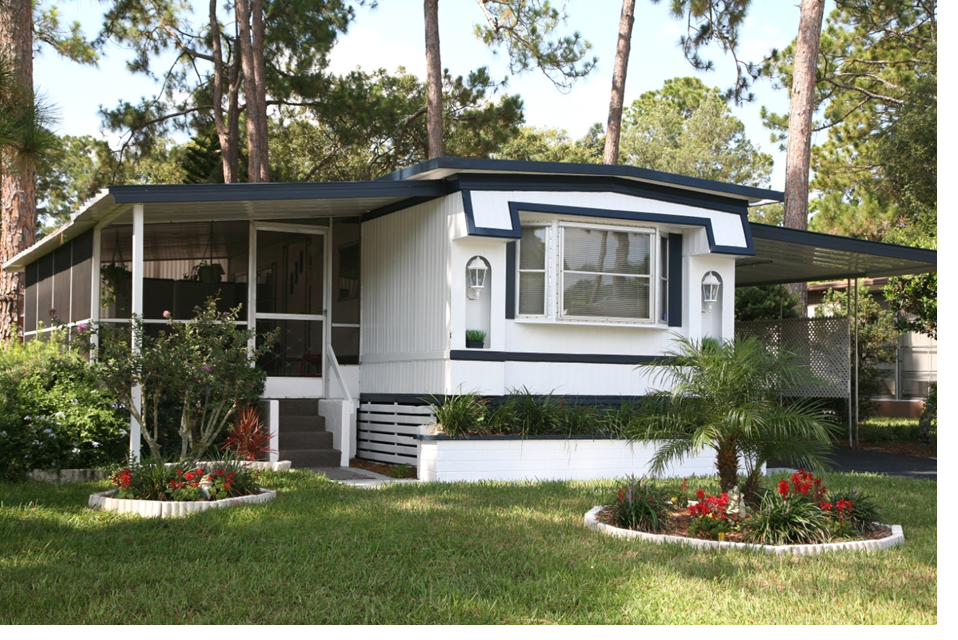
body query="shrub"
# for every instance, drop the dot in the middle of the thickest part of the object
(204, 366)
(639, 506)
(778, 522)
(53, 412)
(460, 415)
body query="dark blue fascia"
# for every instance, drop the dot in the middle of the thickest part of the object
(561, 171)
(631, 216)
(278, 191)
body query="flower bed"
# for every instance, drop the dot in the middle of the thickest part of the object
(167, 509)
(157, 489)
(799, 517)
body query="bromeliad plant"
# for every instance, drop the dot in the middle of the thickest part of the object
(248, 439)
(727, 396)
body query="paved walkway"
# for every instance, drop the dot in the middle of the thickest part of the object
(358, 477)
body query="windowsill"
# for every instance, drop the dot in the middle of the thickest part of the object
(594, 323)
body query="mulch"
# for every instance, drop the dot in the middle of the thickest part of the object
(390, 470)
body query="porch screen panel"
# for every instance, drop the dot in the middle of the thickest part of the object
(297, 351)
(62, 282)
(606, 274)
(45, 290)
(82, 277)
(31, 280)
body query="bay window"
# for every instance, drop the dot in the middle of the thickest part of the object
(592, 273)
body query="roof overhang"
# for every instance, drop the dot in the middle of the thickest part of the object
(792, 255)
(447, 168)
(215, 202)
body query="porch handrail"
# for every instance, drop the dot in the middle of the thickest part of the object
(339, 373)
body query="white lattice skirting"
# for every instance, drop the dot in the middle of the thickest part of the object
(161, 509)
(896, 538)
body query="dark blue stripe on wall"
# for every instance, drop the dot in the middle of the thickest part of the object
(675, 279)
(511, 281)
(634, 216)
(485, 355)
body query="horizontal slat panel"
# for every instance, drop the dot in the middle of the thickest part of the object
(384, 419)
(394, 408)
(388, 437)
(391, 458)
(408, 431)
(388, 448)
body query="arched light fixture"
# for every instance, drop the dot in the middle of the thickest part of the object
(710, 288)
(476, 273)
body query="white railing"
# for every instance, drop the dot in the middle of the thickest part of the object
(339, 373)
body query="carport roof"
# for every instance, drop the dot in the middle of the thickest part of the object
(792, 255)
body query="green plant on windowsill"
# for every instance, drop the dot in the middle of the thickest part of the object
(475, 338)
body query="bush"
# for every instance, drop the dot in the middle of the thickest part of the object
(779, 522)
(460, 415)
(639, 506)
(53, 412)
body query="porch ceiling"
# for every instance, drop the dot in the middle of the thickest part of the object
(791, 255)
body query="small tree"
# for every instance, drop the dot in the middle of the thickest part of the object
(726, 396)
(205, 366)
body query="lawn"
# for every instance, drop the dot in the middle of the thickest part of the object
(322, 553)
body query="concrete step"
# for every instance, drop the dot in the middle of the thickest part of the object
(291, 424)
(305, 440)
(306, 458)
(299, 407)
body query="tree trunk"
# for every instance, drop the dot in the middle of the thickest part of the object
(726, 460)
(227, 143)
(619, 73)
(801, 109)
(259, 71)
(255, 131)
(433, 79)
(18, 176)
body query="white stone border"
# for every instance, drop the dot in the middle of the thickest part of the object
(896, 538)
(162, 509)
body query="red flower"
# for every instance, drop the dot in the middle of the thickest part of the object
(783, 489)
(700, 495)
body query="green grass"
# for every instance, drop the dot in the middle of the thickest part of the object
(323, 553)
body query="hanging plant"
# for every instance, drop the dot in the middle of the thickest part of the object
(116, 281)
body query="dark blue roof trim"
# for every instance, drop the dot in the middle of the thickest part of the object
(393, 208)
(486, 355)
(841, 243)
(634, 216)
(592, 184)
(566, 169)
(487, 232)
(278, 191)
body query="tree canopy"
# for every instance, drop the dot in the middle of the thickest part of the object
(688, 128)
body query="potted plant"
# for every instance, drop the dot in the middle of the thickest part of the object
(475, 338)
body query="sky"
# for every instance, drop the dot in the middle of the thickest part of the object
(392, 35)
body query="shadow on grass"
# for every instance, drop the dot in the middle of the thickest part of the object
(441, 553)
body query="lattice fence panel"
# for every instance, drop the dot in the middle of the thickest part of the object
(820, 343)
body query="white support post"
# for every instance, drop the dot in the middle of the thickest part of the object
(137, 310)
(95, 289)
(272, 422)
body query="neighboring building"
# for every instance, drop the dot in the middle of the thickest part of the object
(586, 270)
(907, 382)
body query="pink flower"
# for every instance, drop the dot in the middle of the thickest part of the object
(81, 327)
(207, 367)
(166, 314)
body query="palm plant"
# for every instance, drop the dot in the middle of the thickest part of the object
(727, 396)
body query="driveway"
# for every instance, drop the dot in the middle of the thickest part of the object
(890, 464)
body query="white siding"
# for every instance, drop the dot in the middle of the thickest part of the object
(406, 283)
(491, 209)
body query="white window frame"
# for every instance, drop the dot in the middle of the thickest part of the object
(554, 274)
